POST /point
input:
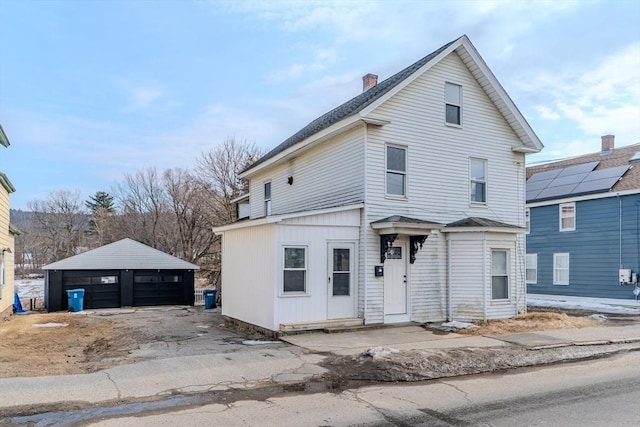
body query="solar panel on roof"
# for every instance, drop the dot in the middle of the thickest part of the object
(595, 186)
(578, 169)
(538, 185)
(551, 192)
(635, 157)
(544, 175)
(532, 194)
(568, 180)
(617, 172)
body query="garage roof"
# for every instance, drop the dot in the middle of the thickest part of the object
(125, 254)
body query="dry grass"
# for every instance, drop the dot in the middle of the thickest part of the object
(534, 321)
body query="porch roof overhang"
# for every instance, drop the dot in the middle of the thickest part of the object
(398, 224)
(482, 225)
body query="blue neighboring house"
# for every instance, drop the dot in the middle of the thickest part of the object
(584, 224)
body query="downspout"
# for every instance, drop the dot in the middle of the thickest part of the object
(365, 228)
(484, 277)
(449, 291)
(620, 229)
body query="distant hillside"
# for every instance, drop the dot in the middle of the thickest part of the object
(20, 218)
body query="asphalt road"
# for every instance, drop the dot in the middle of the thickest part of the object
(602, 392)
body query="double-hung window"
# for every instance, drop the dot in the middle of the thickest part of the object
(561, 269)
(532, 269)
(267, 198)
(567, 217)
(396, 171)
(452, 99)
(295, 269)
(478, 180)
(499, 274)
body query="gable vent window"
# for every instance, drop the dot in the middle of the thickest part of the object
(267, 198)
(452, 99)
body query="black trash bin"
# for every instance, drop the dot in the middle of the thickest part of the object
(209, 299)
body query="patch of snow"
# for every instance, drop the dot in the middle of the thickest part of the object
(380, 352)
(256, 342)
(203, 326)
(458, 325)
(581, 305)
(50, 325)
(29, 288)
(599, 317)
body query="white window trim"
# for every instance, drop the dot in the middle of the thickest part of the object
(555, 278)
(305, 269)
(267, 202)
(459, 105)
(560, 206)
(535, 267)
(486, 179)
(507, 273)
(387, 170)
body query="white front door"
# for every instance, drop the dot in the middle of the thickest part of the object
(395, 282)
(341, 281)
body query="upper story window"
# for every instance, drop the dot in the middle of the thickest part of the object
(478, 178)
(567, 216)
(396, 171)
(453, 103)
(267, 198)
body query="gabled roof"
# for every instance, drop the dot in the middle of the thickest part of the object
(361, 105)
(617, 170)
(125, 254)
(3, 138)
(4, 181)
(481, 225)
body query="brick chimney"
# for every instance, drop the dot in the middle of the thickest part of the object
(607, 143)
(369, 81)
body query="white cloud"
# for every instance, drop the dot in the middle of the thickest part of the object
(144, 97)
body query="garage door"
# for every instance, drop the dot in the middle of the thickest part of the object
(158, 288)
(101, 289)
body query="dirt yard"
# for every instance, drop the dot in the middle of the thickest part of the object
(39, 344)
(75, 343)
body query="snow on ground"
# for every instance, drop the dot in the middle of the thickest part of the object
(30, 288)
(584, 305)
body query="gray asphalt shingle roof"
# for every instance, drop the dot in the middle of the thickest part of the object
(125, 254)
(353, 106)
(478, 222)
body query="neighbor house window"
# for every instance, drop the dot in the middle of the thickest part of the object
(561, 269)
(567, 216)
(396, 171)
(532, 269)
(295, 269)
(267, 198)
(478, 178)
(499, 274)
(452, 99)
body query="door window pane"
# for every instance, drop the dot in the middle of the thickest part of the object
(341, 272)
(341, 282)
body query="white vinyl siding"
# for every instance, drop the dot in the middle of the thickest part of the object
(327, 175)
(561, 269)
(567, 213)
(532, 269)
(396, 171)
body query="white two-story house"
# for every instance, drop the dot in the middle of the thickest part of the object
(406, 203)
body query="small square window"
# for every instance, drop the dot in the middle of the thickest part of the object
(567, 217)
(452, 97)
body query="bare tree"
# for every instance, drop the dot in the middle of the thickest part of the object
(59, 225)
(145, 213)
(190, 211)
(218, 170)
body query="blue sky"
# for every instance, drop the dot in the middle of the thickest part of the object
(91, 90)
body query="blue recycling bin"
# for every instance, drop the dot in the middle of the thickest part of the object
(209, 299)
(76, 299)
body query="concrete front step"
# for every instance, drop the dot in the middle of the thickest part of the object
(332, 324)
